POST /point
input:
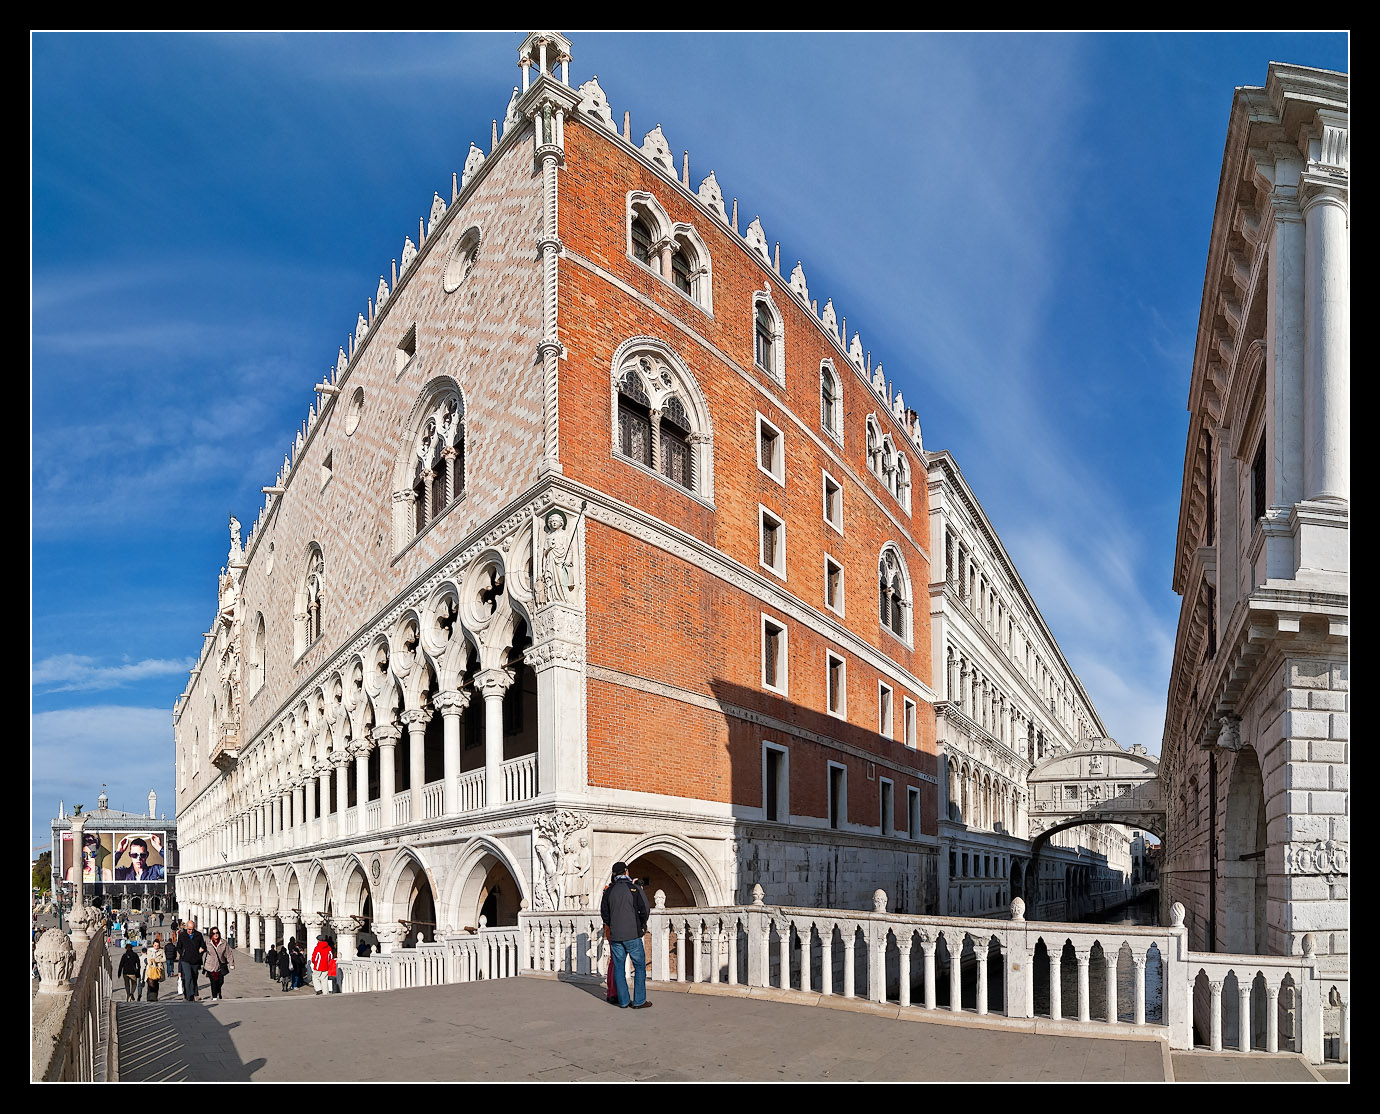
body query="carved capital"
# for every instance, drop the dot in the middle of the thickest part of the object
(452, 701)
(387, 734)
(416, 718)
(494, 682)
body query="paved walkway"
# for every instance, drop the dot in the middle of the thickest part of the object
(535, 1029)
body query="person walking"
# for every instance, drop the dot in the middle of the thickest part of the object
(625, 912)
(322, 960)
(129, 971)
(170, 959)
(297, 959)
(271, 958)
(155, 969)
(219, 962)
(191, 948)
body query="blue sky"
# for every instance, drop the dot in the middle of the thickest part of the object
(1017, 225)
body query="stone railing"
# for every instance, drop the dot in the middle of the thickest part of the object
(433, 800)
(520, 778)
(1072, 977)
(491, 953)
(69, 1038)
(402, 808)
(373, 816)
(471, 787)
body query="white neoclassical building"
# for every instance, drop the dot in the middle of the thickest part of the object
(1009, 702)
(1256, 738)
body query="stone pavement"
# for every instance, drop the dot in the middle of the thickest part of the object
(537, 1029)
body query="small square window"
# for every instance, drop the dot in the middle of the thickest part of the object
(833, 584)
(774, 666)
(407, 348)
(773, 543)
(908, 706)
(771, 452)
(776, 782)
(833, 502)
(884, 708)
(836, 684)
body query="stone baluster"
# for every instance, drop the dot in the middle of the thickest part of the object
(927, 951)
(1084, 1005)
(492, 684)
(715, 940)
(955, 972)
(764, 952)
(850, 934)
(731, 946)
(982, 950)
(1056, 988)
(783, 952)
(1138, 961)
(452, 705)
(1243, 1013)
(903, 946)
(826, 960)
(1110, 958)
(1215, 1008)
(1272, 1019)
(805, 941)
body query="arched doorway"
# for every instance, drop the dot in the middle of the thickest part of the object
(660, 870)
(1244, 882)
(489, 892)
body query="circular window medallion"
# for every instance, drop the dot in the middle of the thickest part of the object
(352, 415)
(376, 868)
(461, 260)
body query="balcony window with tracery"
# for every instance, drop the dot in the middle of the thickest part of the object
(892, 602)
(661, 421)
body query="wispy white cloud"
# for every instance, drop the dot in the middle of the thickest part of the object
(78, 673)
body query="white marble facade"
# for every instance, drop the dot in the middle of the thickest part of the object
(1256, 740)
(1009, 702)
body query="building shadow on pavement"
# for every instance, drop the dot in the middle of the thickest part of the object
(177, 1042)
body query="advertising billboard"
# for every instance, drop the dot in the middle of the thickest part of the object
(117, 857)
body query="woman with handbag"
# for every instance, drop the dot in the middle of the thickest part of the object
(218, 963)
(155, 970)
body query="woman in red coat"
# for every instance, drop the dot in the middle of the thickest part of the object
(322, 962)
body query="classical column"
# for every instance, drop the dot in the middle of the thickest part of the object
(416, 720)
(955, 948)
(386, 735)
(305, 806)
(340, 759)
(492, 684)
(360, 750)
(557, 657)
(1215, 1006)
(1243, 1013)
(452, 705)
(323, 784)
(927, 949)
(1327, 345)
(1138, 961)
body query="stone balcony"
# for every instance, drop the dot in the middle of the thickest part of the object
(225, 755)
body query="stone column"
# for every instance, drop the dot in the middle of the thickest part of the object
(340, 759)
(323, 784)
(390, 935)
(299, 810)
(927, 949)
(1327, 345)
(557, 657)
(360, 751)
(492, 684)
(452, 705)
(1243, 1013)
(416, 720)
(1215, 1006)
(386, 736)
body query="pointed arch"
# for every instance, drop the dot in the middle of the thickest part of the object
(660, 419)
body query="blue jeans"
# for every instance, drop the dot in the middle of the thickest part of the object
(633, 949)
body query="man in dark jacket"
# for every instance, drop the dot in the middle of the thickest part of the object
(191, 946)
(624, 911)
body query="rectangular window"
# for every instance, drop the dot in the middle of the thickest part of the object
(774, 673)
(407, 348)
(838, 795)
(634, 433)
(908, 707)
(836, 681)
(771, 453)
(775, 782)
(884, 708)
(888, 795)
(913, 812)
(833, 502)
(833, 584)
(773, 542)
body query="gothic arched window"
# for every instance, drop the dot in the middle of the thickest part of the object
(311, 591)
(893, 594)
(830, 401)
(660, 418)
(767, 338)
(430, 476)
(258, 656)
